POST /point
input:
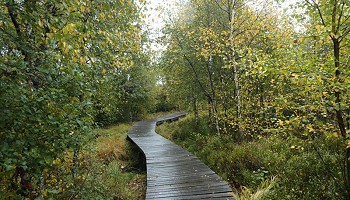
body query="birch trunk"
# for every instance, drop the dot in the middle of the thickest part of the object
(234, 65)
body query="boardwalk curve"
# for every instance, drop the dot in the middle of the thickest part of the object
(172, 172)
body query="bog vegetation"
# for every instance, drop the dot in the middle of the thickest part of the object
(268, 89)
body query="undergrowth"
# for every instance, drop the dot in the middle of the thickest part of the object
(108, 167)
(265, 168)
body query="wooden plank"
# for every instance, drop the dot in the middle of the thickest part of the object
(172, 172)
(186, 193)
(185, 187)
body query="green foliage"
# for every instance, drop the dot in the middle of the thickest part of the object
(162, 100)
(132, 94)
(62, 64)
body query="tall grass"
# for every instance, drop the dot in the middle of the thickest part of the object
(303, 170)
(264, 189)
(108, 168)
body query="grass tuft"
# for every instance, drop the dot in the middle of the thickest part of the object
(110, 145)
(264, 188)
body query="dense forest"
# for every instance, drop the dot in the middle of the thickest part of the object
(265, 85)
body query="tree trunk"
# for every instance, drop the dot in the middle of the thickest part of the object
(213, 93)
(209, 112)
(195, 108)
(339, 113)
(224, 100)
(234, 70)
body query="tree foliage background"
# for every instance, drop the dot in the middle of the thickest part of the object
(65, 67)
(258, 72)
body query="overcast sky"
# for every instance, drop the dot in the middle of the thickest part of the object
(155, 17)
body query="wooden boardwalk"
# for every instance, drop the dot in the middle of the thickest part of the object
(172, 172)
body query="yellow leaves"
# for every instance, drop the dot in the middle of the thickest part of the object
(278, 45)
(331, 135)
(83, 9)
(44, 193)
(82, 60)
(57, 162)
(104, 71)
(296, 76)
(102, 15)
(294, 147)
(348, 144)
(40, 23)
(65, 48)
(225, 33)
(318, 27)
(71, 8)
(50, 35)
(5, 9)
(332, 35)
(100, 32)
(191, 33)
(335, 135)
(280, 122)
(116, 64)
(251, 63)
(310, 128)
(205, 53)
(76, 52)
(69, 29)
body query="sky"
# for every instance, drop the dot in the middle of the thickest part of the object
(155, 16)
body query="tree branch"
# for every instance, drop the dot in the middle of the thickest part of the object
(316, 6)
(13, 16)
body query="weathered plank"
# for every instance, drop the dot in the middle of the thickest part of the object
(172, 172)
